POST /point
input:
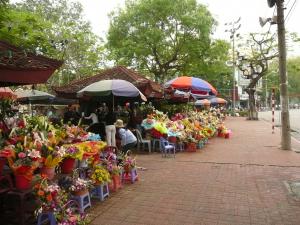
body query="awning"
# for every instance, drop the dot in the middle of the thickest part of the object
(18, 67)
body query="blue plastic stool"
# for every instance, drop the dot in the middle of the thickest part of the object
(132, 176)
(100, 192)
(46, 216)
(83, 201)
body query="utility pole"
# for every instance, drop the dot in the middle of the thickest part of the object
(285, 117)
(234, 27)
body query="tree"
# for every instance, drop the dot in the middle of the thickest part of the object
(164, 37)
(293, 70)
(254, 64)
(25, 29)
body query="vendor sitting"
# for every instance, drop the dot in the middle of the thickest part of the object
(128, 139)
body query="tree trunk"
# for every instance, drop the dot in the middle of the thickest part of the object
(252, 108)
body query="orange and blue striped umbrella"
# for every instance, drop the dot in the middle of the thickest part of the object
(191, 84)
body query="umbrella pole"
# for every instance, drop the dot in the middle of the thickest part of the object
(30, 109)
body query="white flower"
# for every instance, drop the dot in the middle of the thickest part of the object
(34, 153)
(61, 152)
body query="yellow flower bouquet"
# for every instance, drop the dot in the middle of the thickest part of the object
(100, 175)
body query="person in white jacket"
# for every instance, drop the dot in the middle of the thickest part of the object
(93, 116)
(128, 139)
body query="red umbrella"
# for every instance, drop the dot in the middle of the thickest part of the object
(6, 92)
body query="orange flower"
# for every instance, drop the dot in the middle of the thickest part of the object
(49, 197)
(40, 193)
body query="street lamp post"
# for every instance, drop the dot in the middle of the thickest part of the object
(235, 25)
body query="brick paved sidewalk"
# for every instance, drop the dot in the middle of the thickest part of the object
(232, 181)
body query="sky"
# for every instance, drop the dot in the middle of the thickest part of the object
(224, 11)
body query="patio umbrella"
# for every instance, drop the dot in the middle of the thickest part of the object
(217, 101)
(111, 87)
(6, 92)
(193, 84)
(202, 102)
(30, 96)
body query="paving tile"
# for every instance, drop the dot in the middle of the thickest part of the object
(236, 181)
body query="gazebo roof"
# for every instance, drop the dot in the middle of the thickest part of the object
(148, 87)
(18, 67)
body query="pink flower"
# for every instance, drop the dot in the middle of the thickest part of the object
(22, 155)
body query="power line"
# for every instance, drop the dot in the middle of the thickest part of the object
(287, 16)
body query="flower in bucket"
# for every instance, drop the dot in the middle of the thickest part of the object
(54, 199)
(71, 151)
(80, 185)
(51, 157)
(67, 216)
(100, 175)
(50, 197)
(129, 162)
(23, 161)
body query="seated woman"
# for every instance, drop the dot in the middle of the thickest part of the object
(128, 139)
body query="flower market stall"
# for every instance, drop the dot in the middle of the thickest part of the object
(191, 130)
(63, 166)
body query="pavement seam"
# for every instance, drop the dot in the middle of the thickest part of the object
(241, 164)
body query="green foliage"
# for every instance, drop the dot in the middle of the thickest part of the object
(172, 108)
(293, 71)
(25, 29)
(165, 37)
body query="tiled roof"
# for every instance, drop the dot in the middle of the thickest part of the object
(145, 85)
(19, 67)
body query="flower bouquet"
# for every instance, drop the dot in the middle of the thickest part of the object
(54, 199)
(23, 162)
(129, 163)
(90, 148)
(50, 197)
(51, 157)
(80, 186)
(71, 154)
(100, 175)
(75, 134)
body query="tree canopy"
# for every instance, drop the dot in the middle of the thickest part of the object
(166, 38)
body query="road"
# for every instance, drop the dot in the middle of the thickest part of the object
(294, 120)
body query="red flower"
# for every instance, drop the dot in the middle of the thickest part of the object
(21, 124)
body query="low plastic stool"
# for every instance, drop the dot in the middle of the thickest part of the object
(46, 216)
(154, 143)
(131, 176)
(100, 192)
(180, 146)
(83, 201)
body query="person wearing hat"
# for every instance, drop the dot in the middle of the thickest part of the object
(128, 139)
